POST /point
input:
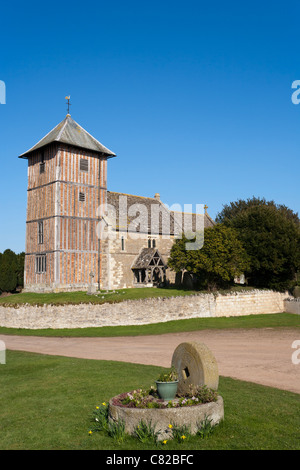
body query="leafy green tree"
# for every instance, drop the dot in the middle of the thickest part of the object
(8, 277)
(221, 258)
(20, 269)
(270, 234)
(233, 209)
(11, 270)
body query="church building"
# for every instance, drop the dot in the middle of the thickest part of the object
(80, 234)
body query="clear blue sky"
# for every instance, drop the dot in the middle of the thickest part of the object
(194, 97)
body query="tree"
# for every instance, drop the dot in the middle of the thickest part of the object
(231, 210)
(221, 258)
(270, 233)
(8, 277)
(20, 269)
(11, 270)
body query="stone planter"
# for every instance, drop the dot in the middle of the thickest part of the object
(161, 417)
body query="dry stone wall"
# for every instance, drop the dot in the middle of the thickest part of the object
(292, 306)
(138, 312)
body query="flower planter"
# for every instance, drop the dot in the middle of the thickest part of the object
(167, 390)
(161, 418)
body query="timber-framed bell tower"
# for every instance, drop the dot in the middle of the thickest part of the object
(67, 182)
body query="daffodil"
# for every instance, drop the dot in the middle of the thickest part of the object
(183, 437)
(104, 404)
(170, 426)
(165, 441)
(97, 407)
(90, 432)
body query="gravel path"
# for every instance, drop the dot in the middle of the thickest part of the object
(263, 356)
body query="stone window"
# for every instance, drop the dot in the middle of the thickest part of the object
(81, 197)
(151, 243)
(122, 243)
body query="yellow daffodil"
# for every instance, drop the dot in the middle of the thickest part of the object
(170, 426)
(90, 432)
(165, 441)
(104, 404)
(97, 407)
(183, 437)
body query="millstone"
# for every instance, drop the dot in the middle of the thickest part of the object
(196, 365)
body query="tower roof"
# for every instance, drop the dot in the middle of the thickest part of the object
(69, 132)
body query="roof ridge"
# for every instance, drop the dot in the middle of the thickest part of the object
(63, 127)
(171, 212)
(134, 195)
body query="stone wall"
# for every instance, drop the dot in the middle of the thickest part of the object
(138, 312)
(250, 302)
(292, 306)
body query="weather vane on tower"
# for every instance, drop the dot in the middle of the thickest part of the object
(68, 103)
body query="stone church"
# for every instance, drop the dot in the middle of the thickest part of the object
(79, 234)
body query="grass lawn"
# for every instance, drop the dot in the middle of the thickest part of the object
(64, 298)
(47, 403)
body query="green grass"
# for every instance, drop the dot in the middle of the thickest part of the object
(119, 295)
(47, 403)
(272, 320)
(67, 298)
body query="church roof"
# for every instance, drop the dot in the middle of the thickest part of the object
(169, 222)
(69, 132)
(147, 257)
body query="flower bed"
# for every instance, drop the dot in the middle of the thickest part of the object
(140, 398)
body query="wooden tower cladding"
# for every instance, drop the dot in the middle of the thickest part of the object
(66, 185)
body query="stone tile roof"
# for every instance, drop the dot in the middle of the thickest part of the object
(69, 132)
(150, 215)
(145, 257)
